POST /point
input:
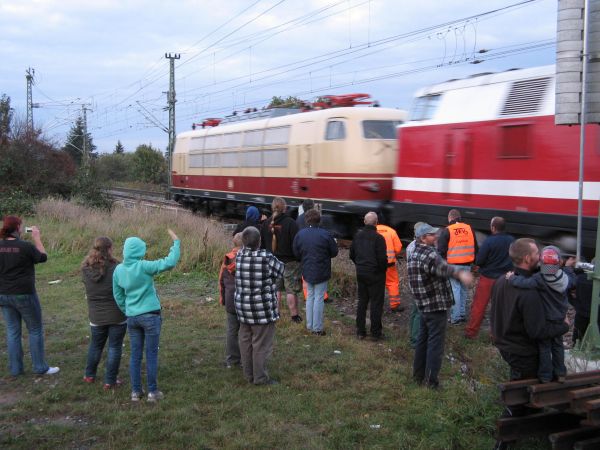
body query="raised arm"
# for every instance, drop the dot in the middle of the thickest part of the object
(37, 242)
(167, 263)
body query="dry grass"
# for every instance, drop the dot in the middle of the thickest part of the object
(203, 240)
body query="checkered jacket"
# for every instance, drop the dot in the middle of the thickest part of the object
(428, 279)
(255, 294)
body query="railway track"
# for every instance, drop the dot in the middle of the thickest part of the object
(132, 198)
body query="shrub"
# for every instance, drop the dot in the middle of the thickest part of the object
(16, 203)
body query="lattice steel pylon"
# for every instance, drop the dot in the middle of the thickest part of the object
(30, 73)
(590, 344)
(171, 100)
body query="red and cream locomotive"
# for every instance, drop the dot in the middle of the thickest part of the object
(342, 156)
(488, 146)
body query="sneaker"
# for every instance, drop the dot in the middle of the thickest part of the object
(296, 319)
(155, 396)
(380, 337)
(397, 309)
(361, 337)
(270, 382)
(108, 386)
(136, 396)
(319, 333)
(89, 379)
(52, 370)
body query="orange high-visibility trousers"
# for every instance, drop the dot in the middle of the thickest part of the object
(392, 284)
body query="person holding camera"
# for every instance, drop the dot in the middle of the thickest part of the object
(18, 297)
(134, 291)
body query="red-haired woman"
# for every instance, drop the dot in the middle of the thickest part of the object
(18, 297)
(107, 322)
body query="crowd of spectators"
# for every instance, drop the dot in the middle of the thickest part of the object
(270, 261)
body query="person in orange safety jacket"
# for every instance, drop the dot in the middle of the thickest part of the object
(393, 247)
(458, 245)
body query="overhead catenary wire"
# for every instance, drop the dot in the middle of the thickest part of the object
(121, 106)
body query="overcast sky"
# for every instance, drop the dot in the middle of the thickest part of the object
(110, 55)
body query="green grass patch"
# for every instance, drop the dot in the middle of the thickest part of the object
(335, 392)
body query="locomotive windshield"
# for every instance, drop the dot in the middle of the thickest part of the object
(380, 129)
(424, 107)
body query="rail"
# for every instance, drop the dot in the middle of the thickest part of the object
(568, 412)
(136, 198)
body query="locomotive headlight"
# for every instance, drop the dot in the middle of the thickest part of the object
(370, 186)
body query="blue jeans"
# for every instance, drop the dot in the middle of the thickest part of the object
(459, 291)
(145, 327)
(430, 348)
(26, 307)
(115, 334)
(315, 301)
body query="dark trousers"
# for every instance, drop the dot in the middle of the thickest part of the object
(552, 359)
(232, 346)
(371, 292)
(430, 348)
(580, 327)
(521, 368)
(256, 347)
(414, 324)
(100, 334)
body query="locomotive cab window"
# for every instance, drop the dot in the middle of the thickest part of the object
(424, 107)
(515, 141)
(380, 129)
(336, 130)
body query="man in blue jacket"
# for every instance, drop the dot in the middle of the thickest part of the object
(493, 261)
(315, 247)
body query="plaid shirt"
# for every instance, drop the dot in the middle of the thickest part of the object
(255, 295)
(428, 279)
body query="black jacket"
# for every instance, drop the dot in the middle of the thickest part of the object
(247, 223)
(284, 229)
(518, 318)
(368, 252)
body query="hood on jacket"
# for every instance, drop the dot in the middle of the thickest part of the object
(558, 282)
(134, 249)
(252, 214)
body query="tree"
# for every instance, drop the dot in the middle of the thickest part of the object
(32, 165)
(114, 167)
(290, 102)
(5, 119)
(119, 149)
(149, 165)
(75, 140)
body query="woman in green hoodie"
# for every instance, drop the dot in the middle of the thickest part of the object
(133, 288)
